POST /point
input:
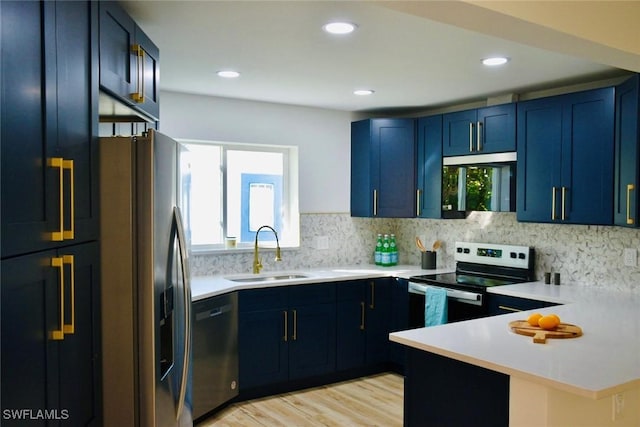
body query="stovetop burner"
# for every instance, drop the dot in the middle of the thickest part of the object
(481, 265)
(463, 279)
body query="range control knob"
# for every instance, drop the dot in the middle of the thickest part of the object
(521, 255)
(459, 250)
(513, 255)
(466, 250)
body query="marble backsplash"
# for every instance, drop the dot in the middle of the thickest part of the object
(582, 254)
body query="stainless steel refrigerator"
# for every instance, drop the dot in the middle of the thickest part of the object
(146, 296)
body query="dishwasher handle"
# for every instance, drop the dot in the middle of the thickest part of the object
(213, 312)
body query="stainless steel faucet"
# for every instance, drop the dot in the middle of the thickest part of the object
(257, 262)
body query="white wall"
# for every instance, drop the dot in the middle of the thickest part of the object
(323, 137)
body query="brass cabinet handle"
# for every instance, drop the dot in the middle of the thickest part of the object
(56, 162)
(504, 307)
(564, 190)
(69, 234)
(630, 188)
(295, 325)
(418, 202)
(362, 315)
(373, 295)
(553, 203)
(375, 202)
(58, 334)
(479, 134)
(62, 164)
(65, 329)
(470, 136)
(138, 95)
(286, 326)
(70, 328)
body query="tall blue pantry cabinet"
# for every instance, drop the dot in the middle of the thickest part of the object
(50, 280)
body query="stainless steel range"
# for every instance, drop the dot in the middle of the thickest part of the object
(478, 267)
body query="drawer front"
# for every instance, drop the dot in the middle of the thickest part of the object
(312, 294)
(263, 299)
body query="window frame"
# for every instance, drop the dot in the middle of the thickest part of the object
(289, 235)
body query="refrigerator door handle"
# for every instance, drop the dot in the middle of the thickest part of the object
(182, 244)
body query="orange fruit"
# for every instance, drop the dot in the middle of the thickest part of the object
(550, 321)
(555, 315)
(533, 319)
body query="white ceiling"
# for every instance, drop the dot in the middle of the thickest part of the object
(285, 57)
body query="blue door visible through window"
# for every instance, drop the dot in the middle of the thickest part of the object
(261, 204)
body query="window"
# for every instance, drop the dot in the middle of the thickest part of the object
(230, 190)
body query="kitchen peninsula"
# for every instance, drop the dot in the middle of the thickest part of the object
(588, 380)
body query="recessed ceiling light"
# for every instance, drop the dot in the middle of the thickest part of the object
(496, 60)
(363, 92)
(228, 74)
(339, 27)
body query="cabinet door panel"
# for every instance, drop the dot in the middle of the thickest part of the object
(80, 367)
(350, 334)
(117, 34)
(378, 322)
(263, 350)
(587, 147)
(363, 180)
(457, 135)
(539, 143)
(30, 311)
(76, 111)
(396, 191)
(149, 72)
(429, 171)
(29, 187)
(626, 161)
(312, 347)
(498, 133)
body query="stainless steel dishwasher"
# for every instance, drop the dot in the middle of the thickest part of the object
(215, 352)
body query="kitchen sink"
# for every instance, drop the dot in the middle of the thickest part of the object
(269, 278)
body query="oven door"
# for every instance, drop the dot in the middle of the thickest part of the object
(461, 305)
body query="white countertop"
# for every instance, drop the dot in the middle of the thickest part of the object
(604, 361)
(208, 286)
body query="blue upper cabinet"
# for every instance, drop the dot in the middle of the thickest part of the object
(129, 62)
(429, 167)
(627, 137)
(383, 163)
(565, 158)
(481, 131)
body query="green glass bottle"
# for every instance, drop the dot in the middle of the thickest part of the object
(393, 248)
(377, 255)
(386, 252)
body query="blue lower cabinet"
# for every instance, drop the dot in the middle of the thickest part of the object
(312, 349)
(263, 351)
(286, 333)
(351, 336)
(364, 322)
(439, 391)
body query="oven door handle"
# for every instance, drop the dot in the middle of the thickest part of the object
(418, 288)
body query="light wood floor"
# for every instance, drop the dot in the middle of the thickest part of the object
(370, 401)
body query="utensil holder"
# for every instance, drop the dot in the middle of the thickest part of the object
(429, 260)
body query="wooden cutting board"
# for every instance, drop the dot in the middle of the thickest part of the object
(563, 330)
